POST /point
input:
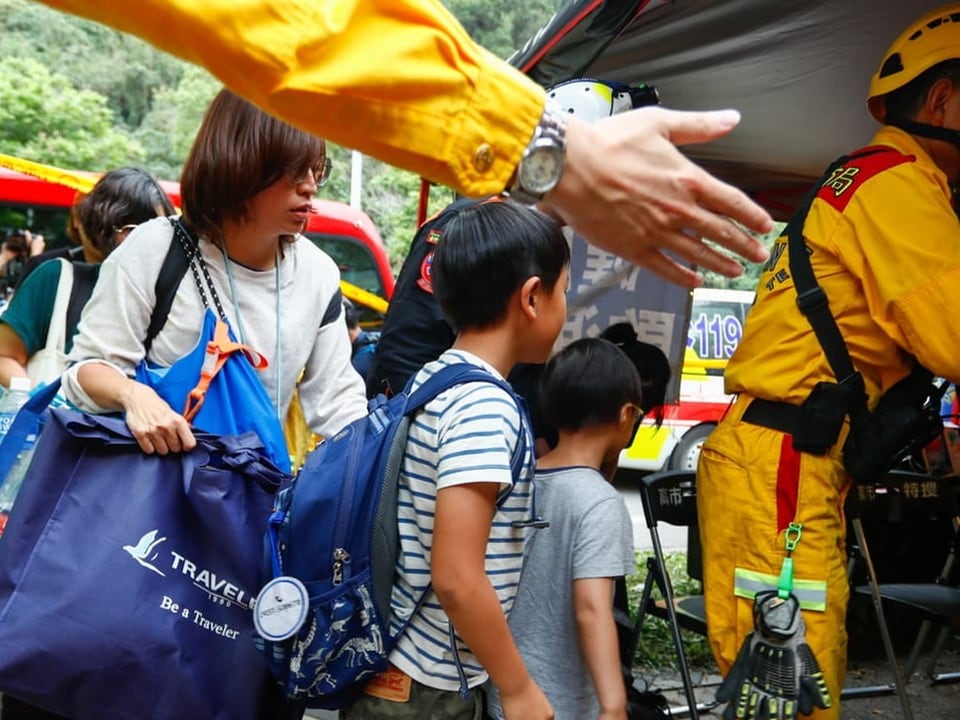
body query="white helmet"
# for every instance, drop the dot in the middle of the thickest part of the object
(591, 99)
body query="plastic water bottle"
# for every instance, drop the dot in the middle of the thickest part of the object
(10, 404)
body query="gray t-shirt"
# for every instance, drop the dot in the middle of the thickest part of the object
(590, 536)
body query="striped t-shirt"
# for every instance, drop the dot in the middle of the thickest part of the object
(465, 435)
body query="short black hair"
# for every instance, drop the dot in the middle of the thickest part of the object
(486, 254)
(588, 383)
(350, 314)
(125, 196)
(905, 102)
(649, 360)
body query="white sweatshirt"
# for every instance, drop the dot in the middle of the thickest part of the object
(313, 334)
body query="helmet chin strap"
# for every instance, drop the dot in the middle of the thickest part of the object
(929, 131)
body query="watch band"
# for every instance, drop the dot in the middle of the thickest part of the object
(550, 134)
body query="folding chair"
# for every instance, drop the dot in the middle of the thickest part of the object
(882, 505)
(671, 497)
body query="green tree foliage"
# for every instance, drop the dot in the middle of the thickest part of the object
(390, 197)
(120, 67)
(751, 271)
(43, 117)
(502, 26)
(169, 127)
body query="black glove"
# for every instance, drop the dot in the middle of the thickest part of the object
(775, 675)
(813, 687)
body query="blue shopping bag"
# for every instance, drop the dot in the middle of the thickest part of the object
(236, 401)
(127, 580)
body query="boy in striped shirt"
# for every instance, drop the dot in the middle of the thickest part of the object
(500, 274)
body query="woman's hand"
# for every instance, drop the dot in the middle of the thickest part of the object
(154, 424)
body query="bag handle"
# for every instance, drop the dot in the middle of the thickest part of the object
(56, 333)
(191, 246)
(218, 352)
(236, 451)
(222, 346)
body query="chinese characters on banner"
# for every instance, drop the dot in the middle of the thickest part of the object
(605, 290)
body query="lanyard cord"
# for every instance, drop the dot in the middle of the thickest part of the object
(236, 310)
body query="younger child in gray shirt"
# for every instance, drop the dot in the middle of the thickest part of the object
(562, 619)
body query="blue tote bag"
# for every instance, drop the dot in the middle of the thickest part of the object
(235, 402)
(127, 580)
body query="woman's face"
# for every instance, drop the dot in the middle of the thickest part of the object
(283, 207)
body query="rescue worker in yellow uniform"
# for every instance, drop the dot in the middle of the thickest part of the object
(402, 81)
(884, 243)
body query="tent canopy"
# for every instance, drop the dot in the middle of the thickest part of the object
(798, 70)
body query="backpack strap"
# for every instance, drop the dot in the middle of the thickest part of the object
(458, 374)
(174, 267)
(444, 379)
(84, 279)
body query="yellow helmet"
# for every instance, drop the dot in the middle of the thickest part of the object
(930, 40)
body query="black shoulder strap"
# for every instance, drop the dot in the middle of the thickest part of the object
(174, 267)
(812, 300)
(84, 278)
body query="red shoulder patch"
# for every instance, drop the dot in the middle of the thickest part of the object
(841, 186)
(425, 281)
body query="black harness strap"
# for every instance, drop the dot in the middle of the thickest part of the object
(84, 279)
(813, 301)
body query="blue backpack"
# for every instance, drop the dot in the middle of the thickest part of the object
(332, 548)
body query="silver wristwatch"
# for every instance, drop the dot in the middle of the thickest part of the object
(541, 166)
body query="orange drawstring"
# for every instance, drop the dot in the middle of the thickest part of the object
(218, 352)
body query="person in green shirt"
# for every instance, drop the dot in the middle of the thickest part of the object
(121, 200)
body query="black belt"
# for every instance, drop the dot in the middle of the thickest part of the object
(775, 415)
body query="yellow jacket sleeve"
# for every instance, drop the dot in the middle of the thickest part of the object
(397, 79)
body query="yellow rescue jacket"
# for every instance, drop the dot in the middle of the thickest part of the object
(885, 246)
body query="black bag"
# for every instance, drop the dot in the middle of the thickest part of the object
(646, 705)
(906, 419)
(641, 704)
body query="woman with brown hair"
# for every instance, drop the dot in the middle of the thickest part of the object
(246, 187)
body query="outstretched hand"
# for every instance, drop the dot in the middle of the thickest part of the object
(627, 189)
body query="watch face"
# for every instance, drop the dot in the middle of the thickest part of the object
(541, 169)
